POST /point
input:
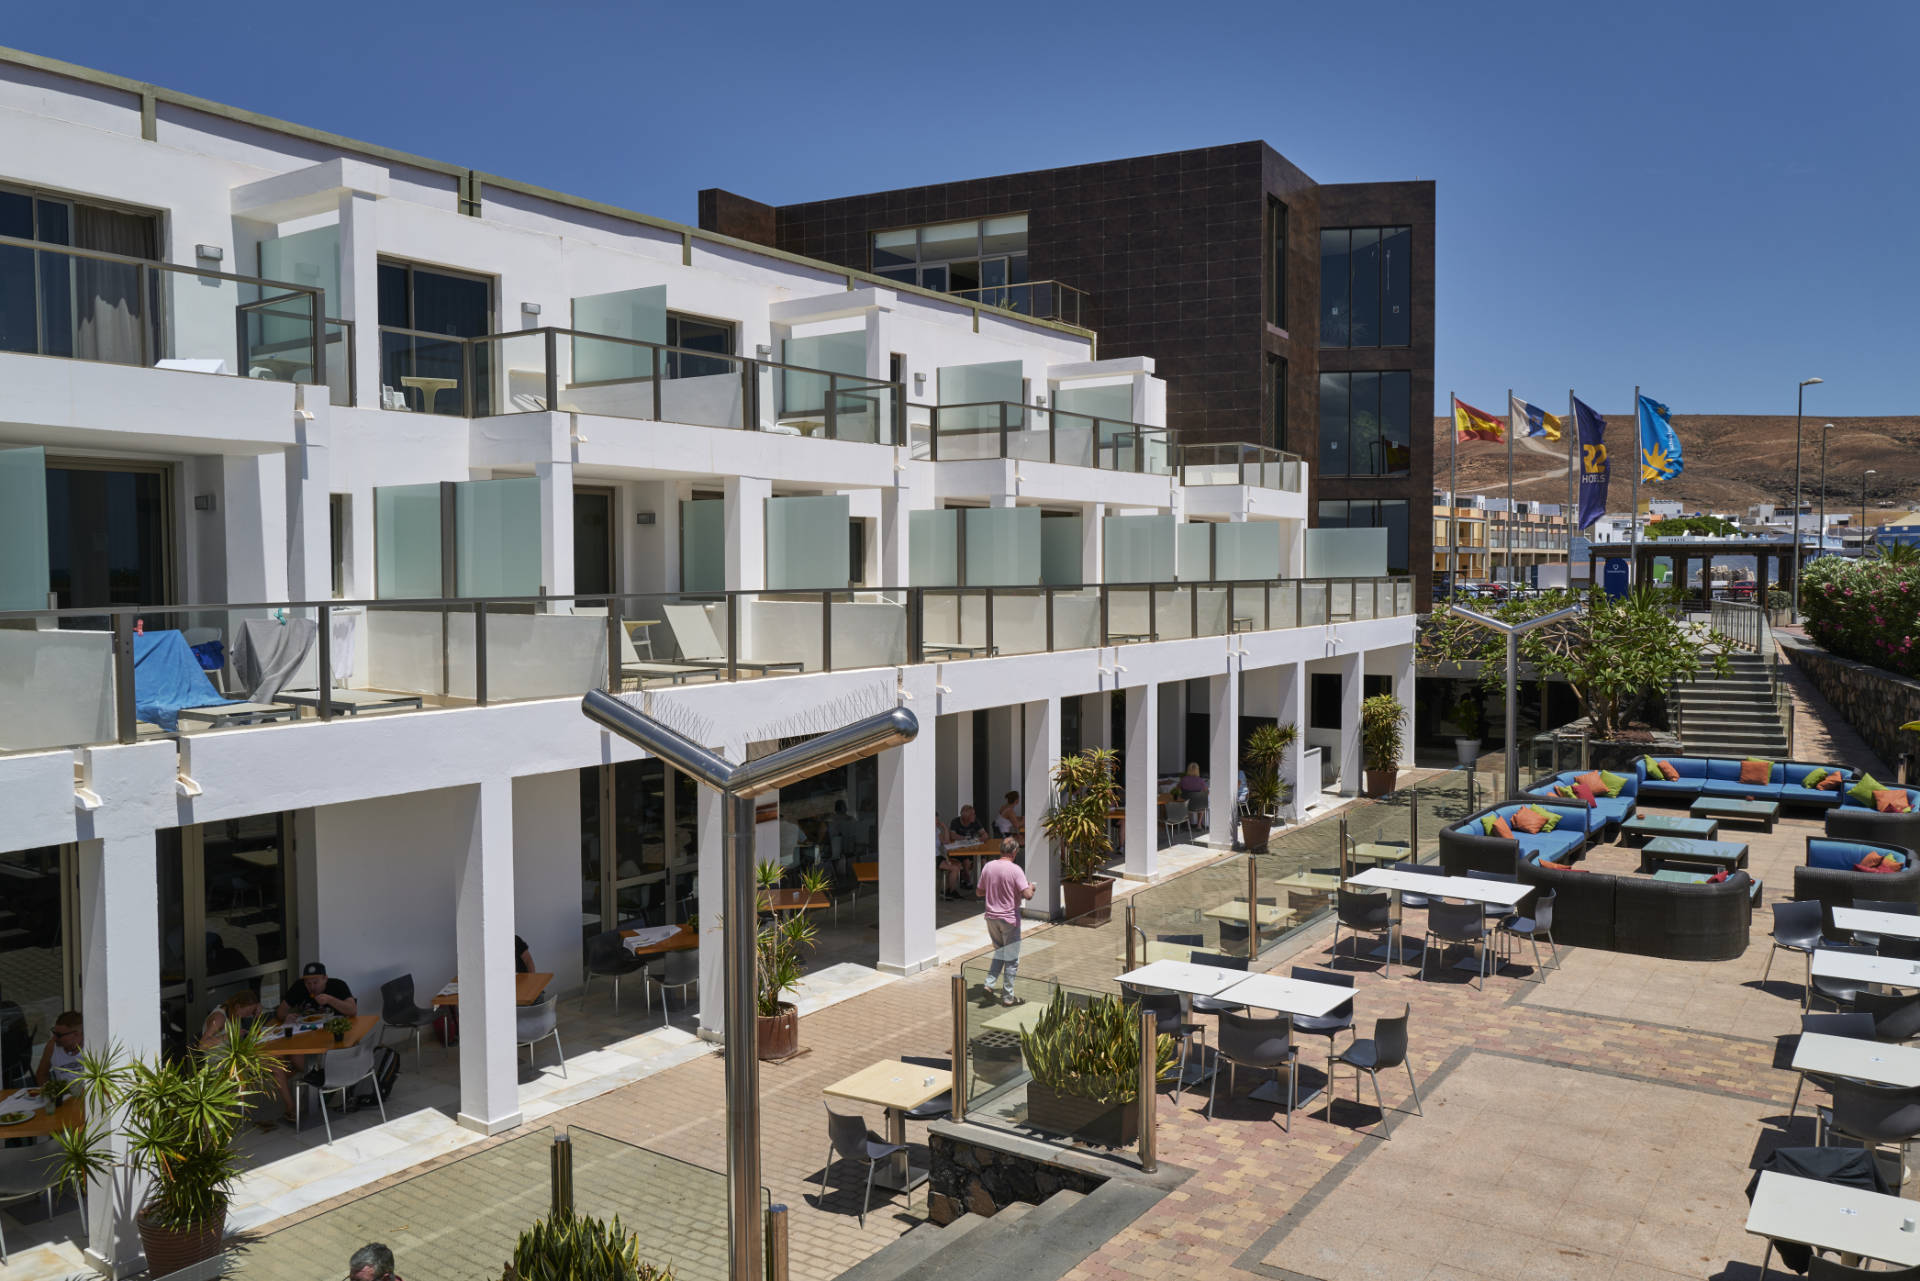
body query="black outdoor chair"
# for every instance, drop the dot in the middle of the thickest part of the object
(1821, 1268)
(1364, 914)
(1335, 1021)
(1872, 1116)
(608, 957)
(1896, 1018)
(1839, 992)
(1213, 1004)
(1257, 1042)
(1461, 923)
(1233, 938)
(1796, 928)
(938, 1106)
(1386, 1048)
(1533, 929)
(1170, 1019)
(397, 1009)
(1845, 1167)
(1407, 897)
(849, 1139)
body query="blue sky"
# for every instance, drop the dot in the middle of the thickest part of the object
(1712, 200)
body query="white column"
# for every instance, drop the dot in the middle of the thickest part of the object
(309, 478)
(1351, 686)
(746, 553)
(556, 529)
(1223, 753)
(483, 952)
(907, 925)
(1143, 779)
(707, 912)
(255, 527)
(1292, 710)
(119, 942)
(1043, 755)
(360, 290)
(1403, 689)
(896, 523)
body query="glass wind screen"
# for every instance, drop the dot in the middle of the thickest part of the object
(1346, 553)
(639, 314)
(25, 577)
(703, 545)
(310, 258)
(1060, 550)
(842, 353)
(807, 542)
(1003, 546)
(1246, 549)
(406, 541)
(1139, 549)
(933, 548)
(1192, 552)
(496, 527)
(985, 386)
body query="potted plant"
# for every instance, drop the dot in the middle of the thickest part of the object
(1382, 735)
(1084, 1057)
(1468, 716)
(1266, 790)
(179, 1120)
(1085, 792)
(339, 1025)
(777, 947)
(570, 1247)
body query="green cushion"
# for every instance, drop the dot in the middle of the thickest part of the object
(1613, 781)
(1486, 824)
(1652, 764)
(1813, 778)
(1863, 790)
(1549, 819)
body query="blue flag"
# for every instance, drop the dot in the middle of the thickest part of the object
(1659, 446)
(1593, 463)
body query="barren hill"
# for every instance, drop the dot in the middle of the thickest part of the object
(1732, 460)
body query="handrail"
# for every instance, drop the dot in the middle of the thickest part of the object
(1059, 291)
(1008, 417)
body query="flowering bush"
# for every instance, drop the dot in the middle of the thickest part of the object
(1867, 610)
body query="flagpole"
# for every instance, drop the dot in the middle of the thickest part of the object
(1453, 498)
(1510, 510)
(1639, 448)
(1573, 480)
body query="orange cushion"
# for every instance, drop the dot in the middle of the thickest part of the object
(1891, 801)
(1500, 827)
(1592, 779)
(1752, 771)
(1558, 867)
(1668, 772)
(1831, 783)
(1868, 863)
(1529, 819)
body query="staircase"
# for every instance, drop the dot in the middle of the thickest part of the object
(1020, 1243)
(1733, 715)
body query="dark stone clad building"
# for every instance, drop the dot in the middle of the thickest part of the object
(1279, 310)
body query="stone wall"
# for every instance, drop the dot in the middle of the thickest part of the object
(1874, 701)
(980, 1172)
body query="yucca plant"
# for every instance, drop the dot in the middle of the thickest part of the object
(180, 1119)
(573, 1248)
(1091, 1050)
(1266, 748)
(780, 942)
(1086, 792)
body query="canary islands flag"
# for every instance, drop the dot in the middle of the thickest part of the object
(1476, 424)
(1531, 420)
(1659, 446)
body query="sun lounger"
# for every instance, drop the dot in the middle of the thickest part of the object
(353, 701)
(694, 635)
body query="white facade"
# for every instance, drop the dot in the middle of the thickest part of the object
(421, 840)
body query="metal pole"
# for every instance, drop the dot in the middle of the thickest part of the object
(742, 1063)
(1633, 517)
(776, 1243)
(1453, 496)
(1573, 479)
(1799, 411)
(1510, 509)
(1253, 906)
(1133, 957)
(325, 708)
(1513, 711)
(560, 1175)
(959, 1002)
(1820, 530)
(1149, 1090)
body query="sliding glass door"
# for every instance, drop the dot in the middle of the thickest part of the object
(427, 374)
(226, 917)
(109, 533)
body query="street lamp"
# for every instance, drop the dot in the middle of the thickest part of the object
(1871, 471)
(1512, 631)
(1800, 404)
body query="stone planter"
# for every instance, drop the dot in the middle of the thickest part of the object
(1088, 902)
(1466, 750)
(777, 1037)
(1112, 1125)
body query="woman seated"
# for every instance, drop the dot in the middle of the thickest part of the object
(242, 1008)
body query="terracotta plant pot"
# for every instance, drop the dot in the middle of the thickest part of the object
(1111, 1125)
(1254, 833)
(1088, 902)
(171, 1249)
(777, 1037)
(1380, 781)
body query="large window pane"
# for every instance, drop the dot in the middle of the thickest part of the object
(1004, 235)
(1276, 264)
(1333, 288)
(1277, 402)
(1396, 422)
(949, 240)
(32, 955)
(1363, 330)
(895, 248)
(19, 322)
(1333, 424)
(1393, 515)
(1332, 513)
(1364, 426)
(1396, 275)
(699, 335)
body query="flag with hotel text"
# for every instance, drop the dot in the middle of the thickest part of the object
(1531, 420)
(1476, 424)
(1593, 463)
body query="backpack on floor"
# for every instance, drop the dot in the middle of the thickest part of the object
(386, 1066)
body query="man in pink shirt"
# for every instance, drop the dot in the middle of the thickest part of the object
(1004, 886)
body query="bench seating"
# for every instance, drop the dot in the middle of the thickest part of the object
(1607, 810)
(1705, 776)
(1828, 875)
(1566, 841)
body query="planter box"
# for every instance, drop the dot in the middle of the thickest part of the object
(1113, 1125)
(1089, 903)
(778, 1037)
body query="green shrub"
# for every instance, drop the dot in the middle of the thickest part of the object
(1090, 1048)
(1867, 610)
(572, 1248)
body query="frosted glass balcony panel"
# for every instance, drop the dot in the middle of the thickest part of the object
(703, 545)
(1138, 549)
(640, 314)
(1003, 546)
(933, 548)
(807, 542)
(25, 571)
(497, 537)
(1060, 550)
(406, 542)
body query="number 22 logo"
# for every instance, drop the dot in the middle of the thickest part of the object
(1596, 457)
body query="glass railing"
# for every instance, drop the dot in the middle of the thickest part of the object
(1039, 299)
(1034, 433)
(88, 305)
(1235, 463)
(568, 371)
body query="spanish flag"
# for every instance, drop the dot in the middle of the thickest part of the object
(1476, 424)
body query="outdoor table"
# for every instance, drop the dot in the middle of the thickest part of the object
(1647, 826)
(1828, 1216)
(1189, 980)
(317, 1040)
(1857, 1059)
(947, 653)
(1269, 915)
(1731, 855)
(429, 388)
(526, 990)
(1377, 852)
(1471, 888)
(67, 1116)
(1762, 812)
(1015, 1019)
(351, 702)
(1301, 997)
(791, 901)
(241, 713)
(1861, 968)
(651, 942)
(1885, 924)
(898, 1087)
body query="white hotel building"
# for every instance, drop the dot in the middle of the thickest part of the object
(415, 456)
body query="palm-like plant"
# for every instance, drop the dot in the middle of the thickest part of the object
(180, 1119)
(1086, 791)
(1266, 748)
(780, 942)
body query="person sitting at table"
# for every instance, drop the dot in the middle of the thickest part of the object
(60, 1061)
(241, 1008)
(1009, 823)
(1194, 788)
(949, 867)
(967, 827)
(318, 997)
(522, 956)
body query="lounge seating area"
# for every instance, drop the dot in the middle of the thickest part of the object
(1785, 782)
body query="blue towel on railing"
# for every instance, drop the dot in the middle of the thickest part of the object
(166, 678)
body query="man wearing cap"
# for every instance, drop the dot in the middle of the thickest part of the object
(318, 996)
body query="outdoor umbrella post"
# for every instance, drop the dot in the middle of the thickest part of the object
(1513, 632)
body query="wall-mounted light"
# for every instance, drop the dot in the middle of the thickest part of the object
(212, 253)
(763, 350)
(203, 502)
(920, 383)
(643, 518)
(530, 308)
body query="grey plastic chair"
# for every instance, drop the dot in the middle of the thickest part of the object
(24, 1174)
(1857, 1026)
(340, 1071)
(1896, 1017)
(397, 1010)
(1213, 1004)
(1821, 1268)
(1257, 1042)
(1332, 1023)
(1170, 1019)
(1840, 992)
(608, 957)
(1175, 815)
(1533, 929)
(1462, 923)
(1386, 1048)
(1233, 936)
(939, 1105)
(1796, 928)
(1872, 1116)
(534, 1024)
(849, 1139)
(680, 971)
(1407, 897)
(1364, 914)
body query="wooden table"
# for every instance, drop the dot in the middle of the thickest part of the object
(1269, 915)
(1731, 855)
(1831, 1217)
(1377, 852)
(320, 1041)
(898, 1087)
(791, 901)
(686, 939)
(1762, 812)
(526, 990)
(67, 1116)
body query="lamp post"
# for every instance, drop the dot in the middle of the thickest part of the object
(1513, 631)
(1871, 471)
(1799, 410)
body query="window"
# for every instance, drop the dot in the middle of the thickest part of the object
(1366, 287)
(1370, 513)
(857, 552)
(1276, 402)
(1366, 423)
(985, 259)
(52, 304)
(1323, 700)
(1276, 263)
(701, 335)
(339, 523)
(429, 375)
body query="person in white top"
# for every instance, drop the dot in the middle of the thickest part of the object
(60, 1061)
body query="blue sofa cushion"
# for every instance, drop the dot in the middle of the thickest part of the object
(1550, 846)
(1720, 770)
(1794, 794)
(1840, 855)
(1597, 818)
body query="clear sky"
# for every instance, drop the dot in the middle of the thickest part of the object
(1713, 200)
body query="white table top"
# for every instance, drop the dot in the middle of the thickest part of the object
(1829, 964)
(1888, 924)
(1859, 1059)
(1288, 995)
(1183, 976)
(1788, 1208)
(1386, 878)
(1471, 888)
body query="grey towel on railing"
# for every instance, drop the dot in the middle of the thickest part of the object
(267, 654)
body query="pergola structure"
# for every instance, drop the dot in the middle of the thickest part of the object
(1774, 561)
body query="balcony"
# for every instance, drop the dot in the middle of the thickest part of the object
(1236, 463)
(569, 371)
(70, 678)
(1037, 299)
(1033, 433)
(86, 305)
